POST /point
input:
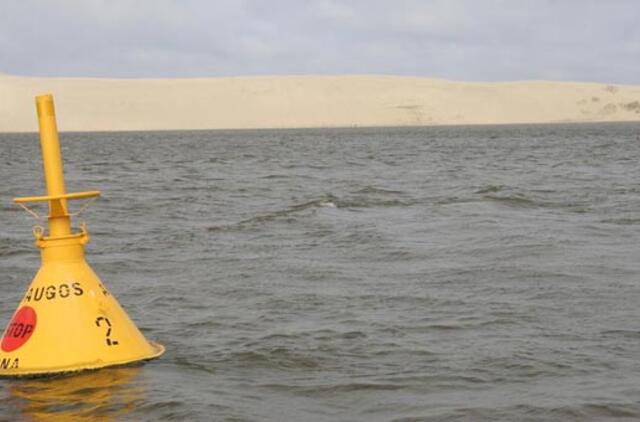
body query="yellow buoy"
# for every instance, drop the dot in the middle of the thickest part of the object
(67, 320)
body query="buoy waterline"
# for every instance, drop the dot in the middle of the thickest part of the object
(67, 320)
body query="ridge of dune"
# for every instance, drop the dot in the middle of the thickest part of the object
(248, 102)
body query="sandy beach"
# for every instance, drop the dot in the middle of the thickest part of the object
(89, 104)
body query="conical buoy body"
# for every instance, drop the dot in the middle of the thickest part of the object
(67, 320)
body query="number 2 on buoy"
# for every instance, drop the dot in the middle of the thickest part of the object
(110, 341)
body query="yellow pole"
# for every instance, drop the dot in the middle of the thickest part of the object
(59, 221)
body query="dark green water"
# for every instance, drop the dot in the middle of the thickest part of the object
(426, 274)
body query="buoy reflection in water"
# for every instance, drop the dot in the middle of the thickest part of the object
(102, 395)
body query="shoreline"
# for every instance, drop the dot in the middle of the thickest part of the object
(339, 128)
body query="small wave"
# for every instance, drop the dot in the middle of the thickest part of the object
(447, 326)
(511, 197)
(195, 366)
(592, 411)
(373, 197)
(327, 201)
(10, 247)
(336, 388)
(455, 200)
(452, 325)
(374, 190)
(368, 197)
(275, 176)
(512, 200)
(221, 228)
(276, 357)
(314, 203)
(491, 189)
(621, 333)
(373, 203)
(622, 221)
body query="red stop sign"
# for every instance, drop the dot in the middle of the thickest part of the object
(19, 329)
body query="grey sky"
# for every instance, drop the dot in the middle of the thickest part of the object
(583, 40)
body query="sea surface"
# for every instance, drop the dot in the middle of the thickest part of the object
(487, 273)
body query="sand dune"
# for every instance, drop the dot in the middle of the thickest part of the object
(86, 104)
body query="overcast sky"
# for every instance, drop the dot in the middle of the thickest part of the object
(582, 40)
